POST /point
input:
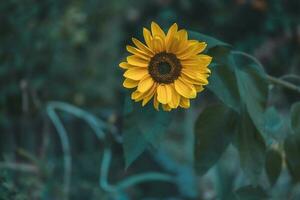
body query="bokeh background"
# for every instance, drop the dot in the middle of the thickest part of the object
(69, 51)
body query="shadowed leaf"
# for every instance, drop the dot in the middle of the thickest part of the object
(251, 193)
(251, 149)
(211, 41)
(224, 85)
(214, 129)
(143, 126)
(274, 124)
(292, 151)
(295, 117)
(273, 165)
(253, 89)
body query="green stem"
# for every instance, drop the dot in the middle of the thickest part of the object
(271, 79)
(283, 83)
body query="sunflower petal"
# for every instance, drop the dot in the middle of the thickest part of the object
(187, 51)
(185, 89)
(145, 84)
(137, 61)
(166, 107)
(184, 102)
(142, 47)
(148, 37)
(164, 94)
(124, 65)
(174, 45)
(150, 94)
(170, 36)
(136, 73)
(193, 74)
(157, 31)
(204, 59)
(138, 52)
(158, 44)
(136, 95)
(182, 35)
(128, 83)
(199, 88)
(175, 98)
(190, 80)
(192, 50)
(200, 47)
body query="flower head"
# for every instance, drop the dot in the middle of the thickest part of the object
(168, 68)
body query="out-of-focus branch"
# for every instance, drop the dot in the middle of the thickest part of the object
(271, 79)
(19, 167)
(283, 83)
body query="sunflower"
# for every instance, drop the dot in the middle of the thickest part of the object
(168, 68)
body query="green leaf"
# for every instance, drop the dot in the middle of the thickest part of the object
(220, 55)
(134, 144)
(274, 124)
(211, 41)
(292, 152)
(143, 126)
(153, 124)
(295, 117)
(128, 104)
(223, 84)
(251, 193)
(214, 129)
(251, 148)
(253, 89)
(273, 165)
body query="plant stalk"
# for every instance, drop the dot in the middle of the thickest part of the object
(271, 79)
(283, 83)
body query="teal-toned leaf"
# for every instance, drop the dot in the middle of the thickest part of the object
(251, 193)
(153, 124)
(223, 84)
(273, 165)
(134, 144)
(253, 89)
(274, 124)
(292, 152)
(214, 130)
(220, 55)
(211, 41)
(251, 148)
(295, 117)
(128, 105)
(143, 126)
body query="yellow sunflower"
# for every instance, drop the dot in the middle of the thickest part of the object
(168, 68)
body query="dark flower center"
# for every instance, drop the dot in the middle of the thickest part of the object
(164, 67)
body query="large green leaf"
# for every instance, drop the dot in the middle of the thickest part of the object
(251, 148)
(295, 117)
(143, 126)
(134, 144)
(214, 129)
(211, 41)
(292, 144)
(253, 89)
(273, 165)
(251, 193)
(292, 152)
(223, 84)
(274, 124)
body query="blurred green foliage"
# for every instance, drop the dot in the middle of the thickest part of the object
(69, 51)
